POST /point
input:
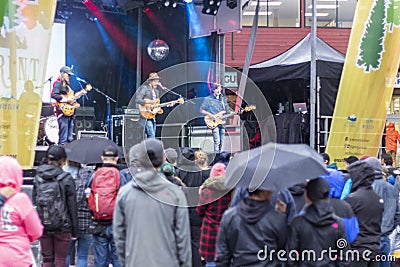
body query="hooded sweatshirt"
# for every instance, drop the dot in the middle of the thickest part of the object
(341, 208)
(160, 234)
(317, 229)
(392, 136)
(367, 206)
(245, 230)
(20, 222)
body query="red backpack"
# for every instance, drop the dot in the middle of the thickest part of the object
(103, 196)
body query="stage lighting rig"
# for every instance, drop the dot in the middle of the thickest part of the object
(211, 7)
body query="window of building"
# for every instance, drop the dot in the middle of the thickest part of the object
(286, 13)
(273, 13)
(331, 13)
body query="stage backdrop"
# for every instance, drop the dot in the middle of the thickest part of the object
(367, 81)
(25, 28)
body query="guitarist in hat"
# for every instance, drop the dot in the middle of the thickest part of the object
(148, 95)
(63, 93)
(212, 105)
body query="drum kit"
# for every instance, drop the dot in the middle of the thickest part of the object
(48, 131)
(48, 127)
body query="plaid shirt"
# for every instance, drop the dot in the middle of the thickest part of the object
(212, 214)
(81, 176)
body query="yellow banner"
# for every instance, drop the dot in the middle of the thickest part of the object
(367, 82)
(25, 29)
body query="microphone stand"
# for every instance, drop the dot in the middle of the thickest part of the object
(49, 81)
(179, 95)
(108, 116)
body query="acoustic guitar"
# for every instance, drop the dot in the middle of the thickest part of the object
(69, 109)
(220, 117)
(149, 111)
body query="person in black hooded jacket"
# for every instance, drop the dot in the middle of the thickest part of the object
(317, 230)
(368, 208)
(249, 231)
(55, 243)
(193, 177)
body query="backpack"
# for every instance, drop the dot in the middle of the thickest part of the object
(103, 196)
(50, 203)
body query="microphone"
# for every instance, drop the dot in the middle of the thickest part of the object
(80, 80)
(162, 86)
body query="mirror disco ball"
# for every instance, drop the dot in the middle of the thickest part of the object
(158, 50)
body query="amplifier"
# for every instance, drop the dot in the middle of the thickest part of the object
(84, 112)
(126, 130)
(82, 134)
(131, 111)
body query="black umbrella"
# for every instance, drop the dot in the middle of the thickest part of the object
(274, 167)
(88, 150)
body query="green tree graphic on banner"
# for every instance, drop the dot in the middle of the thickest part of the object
(8, 8)
(393, 16)
(372, 42)
(3, 5)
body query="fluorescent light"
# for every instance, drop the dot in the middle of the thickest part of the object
(318, 14)
(324, 6)
(261, 13)
(264, 3)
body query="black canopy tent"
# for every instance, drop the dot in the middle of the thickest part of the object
(285, 78)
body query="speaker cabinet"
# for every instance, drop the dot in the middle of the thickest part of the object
(83, 124)
(127, 130)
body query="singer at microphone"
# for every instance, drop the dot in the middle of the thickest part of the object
(162, 86)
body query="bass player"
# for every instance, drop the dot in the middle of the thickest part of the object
(212, 105)
(63, 93)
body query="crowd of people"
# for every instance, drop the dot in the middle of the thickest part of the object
(170, 207)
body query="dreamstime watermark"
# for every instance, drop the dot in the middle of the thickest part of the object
(340, 253)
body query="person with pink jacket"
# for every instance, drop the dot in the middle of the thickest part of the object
(19, 222)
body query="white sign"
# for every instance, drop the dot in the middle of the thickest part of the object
(231, 79)
(397, 80)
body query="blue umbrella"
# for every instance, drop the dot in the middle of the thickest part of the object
(274, 167)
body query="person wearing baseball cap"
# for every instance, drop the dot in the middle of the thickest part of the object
(147, 93)
(65, 98)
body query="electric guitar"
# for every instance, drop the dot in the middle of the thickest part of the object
(220, 117)
(68, 109)
(149, 111)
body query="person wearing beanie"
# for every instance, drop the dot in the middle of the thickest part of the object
(50, 171)
(318, 229)
(391, 210)
(368, 208)
(169, 170)
(214, 201)
(159, 211)
(171, 155)
(22, 225)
